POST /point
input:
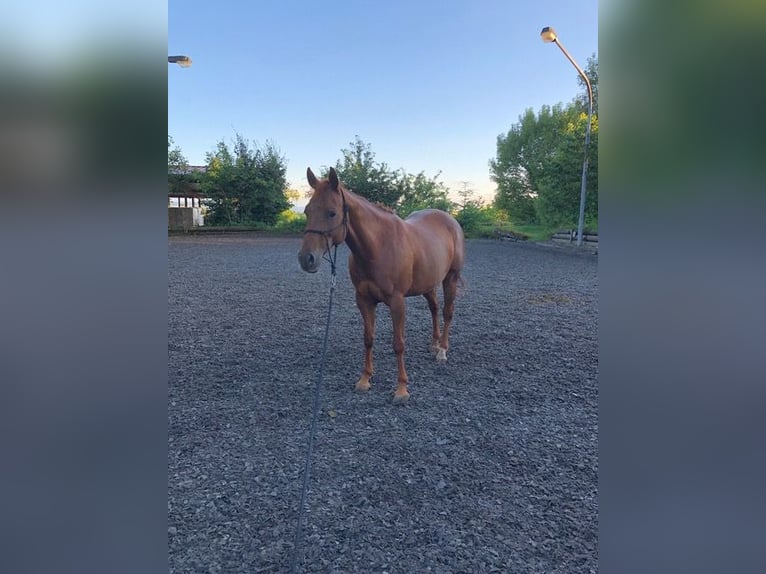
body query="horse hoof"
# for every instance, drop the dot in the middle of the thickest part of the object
(401, 399)
(441, 356)
(362, 386)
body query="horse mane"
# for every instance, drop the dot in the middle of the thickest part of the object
(377, 204)
(384, 207)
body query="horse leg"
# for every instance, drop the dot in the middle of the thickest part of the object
(397, 307)
(450, 291)
(433, 305)
(367, 307)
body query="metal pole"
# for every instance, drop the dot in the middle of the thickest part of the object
(581, 219)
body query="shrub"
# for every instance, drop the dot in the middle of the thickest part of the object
(290, 222)
(477, 220)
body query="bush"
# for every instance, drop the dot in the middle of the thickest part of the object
(477, 221)
(290, 222)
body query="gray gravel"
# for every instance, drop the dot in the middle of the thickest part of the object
(491, 466)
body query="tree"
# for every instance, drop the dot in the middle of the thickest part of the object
(472, 214)
(178, 169)
(591, 70)
(292, 195)
(246, 183)
(219, 186)
(538, 165)
(420, 192)
(522, 158)
(465, 193)
(176, 159)
(401, 191)
(559, 195)
(558, 201)
(359, 171)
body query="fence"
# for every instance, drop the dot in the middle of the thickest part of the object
(570, 235)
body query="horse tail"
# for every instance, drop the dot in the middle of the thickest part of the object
(462, 285)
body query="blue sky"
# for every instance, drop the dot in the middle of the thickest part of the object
(429, 85)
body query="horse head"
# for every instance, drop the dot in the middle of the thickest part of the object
(326, 220)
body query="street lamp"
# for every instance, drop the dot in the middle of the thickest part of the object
(548, 34)
(183, 61)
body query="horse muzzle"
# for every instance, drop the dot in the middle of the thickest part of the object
(309, 261)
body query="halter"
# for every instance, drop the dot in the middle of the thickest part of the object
(326, 234)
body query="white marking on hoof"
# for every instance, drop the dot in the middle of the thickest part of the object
(441, 355)
(362, 386)
(401, 399)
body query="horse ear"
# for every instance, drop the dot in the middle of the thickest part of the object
(334, 178)
(311, 177)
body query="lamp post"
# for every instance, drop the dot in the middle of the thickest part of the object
(183, 61)
(548, 34)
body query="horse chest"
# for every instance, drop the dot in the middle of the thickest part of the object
(372, 282)
(372, 288)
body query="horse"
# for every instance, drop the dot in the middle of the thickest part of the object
(391, 258)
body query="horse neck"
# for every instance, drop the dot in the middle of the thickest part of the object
(366, 224)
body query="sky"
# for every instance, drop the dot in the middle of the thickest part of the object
(428, 84)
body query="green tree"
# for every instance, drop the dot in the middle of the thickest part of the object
(404, 192)
(538, 165)
(246, 183)
(591, 70)
(522, 159)
(362, 174)
(559, 191)
(558, 201)
(421, 192)
(293, 196)
(179, 177)
(477, 219)
(176, 159)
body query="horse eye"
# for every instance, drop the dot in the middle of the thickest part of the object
(331, 214)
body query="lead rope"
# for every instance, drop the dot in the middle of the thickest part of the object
(312, 433)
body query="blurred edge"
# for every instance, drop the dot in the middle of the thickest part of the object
(83, 289)
(682, 276)
(84, 295)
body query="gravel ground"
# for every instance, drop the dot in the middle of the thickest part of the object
(491, 466)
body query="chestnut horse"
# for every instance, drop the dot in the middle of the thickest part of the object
(390, 259)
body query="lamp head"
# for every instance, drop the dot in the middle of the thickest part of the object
(183, 61)
(548, 34)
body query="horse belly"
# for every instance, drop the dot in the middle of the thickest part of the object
(424, 284)
(433, 260)
(428, 271)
